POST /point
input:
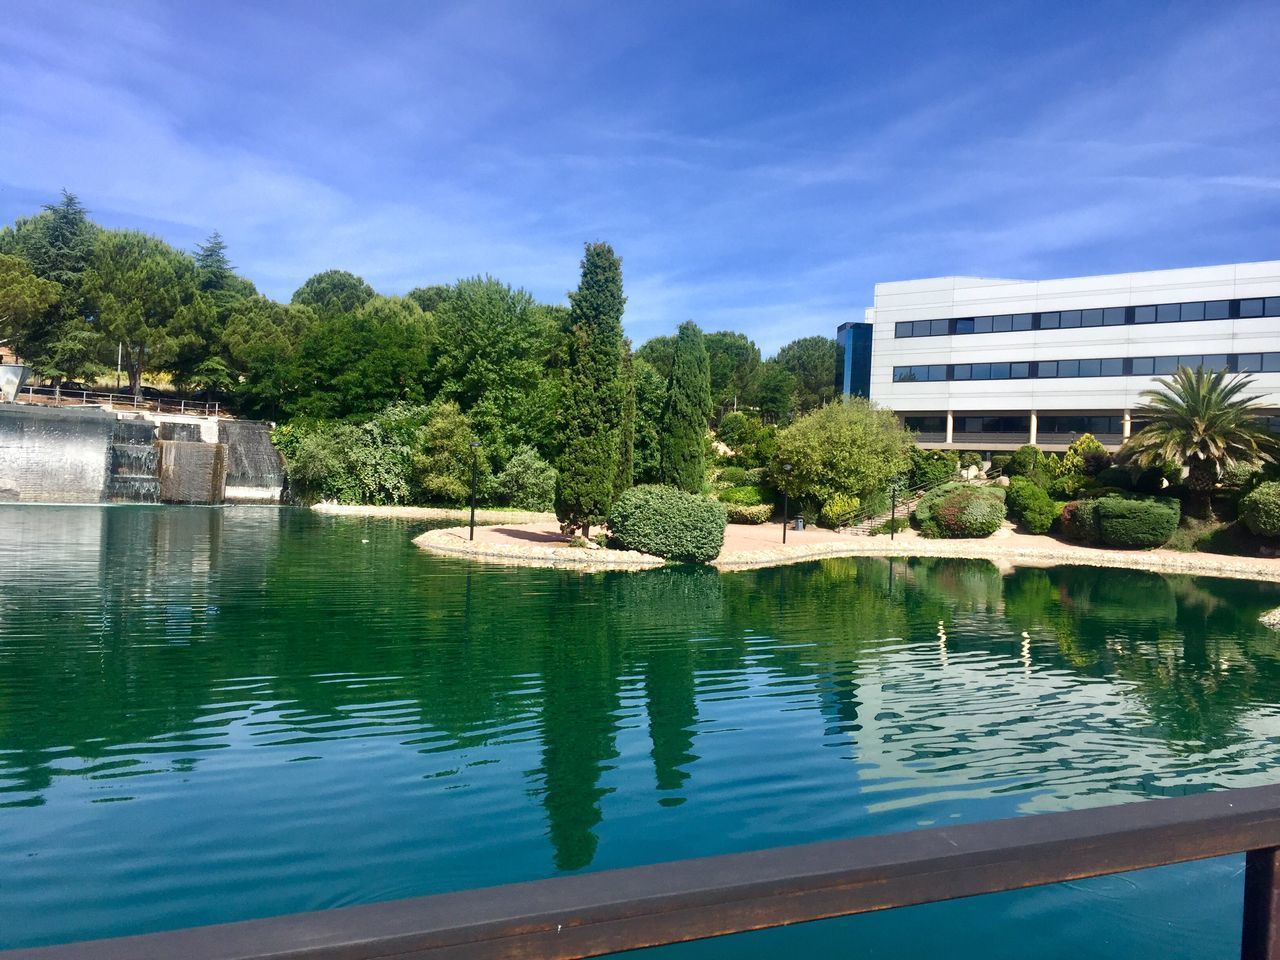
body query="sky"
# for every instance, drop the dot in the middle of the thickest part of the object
(758, 166)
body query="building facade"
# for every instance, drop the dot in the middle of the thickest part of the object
(978, 363)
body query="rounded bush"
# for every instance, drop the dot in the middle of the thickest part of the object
(761, 513)
(1027, 461)
(1260, 509)
(930, 467)
(733, 475)
(1079, 521)
(1067, 486)
(961, 511)
(747, 495)
(1239, 476)
(1118, 477)
(1030, 505)
(1000, 462)
(1137, 524)
(970, 458)
(668, 523)
(838, 511)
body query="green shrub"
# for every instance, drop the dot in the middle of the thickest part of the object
(930, 467)
(1150, 480)
(893, 525)
(838, 511)
(761, 513)
(1031, 506)
(1095, 461)
(1119, 477)
(1260, 509)
(1073, 461)
(1000, 462)
(1027, 461)
(1079, 521)
(959, 510)
(970, 458)
(527, 481)
(1133, 524)
(1096, 493)
(747, 495)
(1241, 476)
(1067, 486)
(668, 523)
(732, 475)
(734, 429)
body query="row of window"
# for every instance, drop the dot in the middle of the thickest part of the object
(1099, 317)
(1057, 424)
(1108, 367)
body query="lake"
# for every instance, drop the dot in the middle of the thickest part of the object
(215, 714)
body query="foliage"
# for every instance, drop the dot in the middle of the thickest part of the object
(1241, 476)
(527, 481)
(812, 362)
(1028, 461)
(446, 451)
(734, 363)
(684, 415)
(1203, 421)
(261, 342)
(1067, 486)
(651, 394)
(775, 392)
(595, 393)
(733, 430)
(668, 523)
(1116, 476)
(748, 495)
(333, 292)
(930, 467)
(732, 475)
(25, 300)
(958, 510)
(757, 514)
(1000, 462)
(851, 448)
(1079, 521)
(892, 525)
(1073, 461)
(838, 511)
(1031, 506)
(970, 458)
(430, 298)
(1137, 524)
(1260, 509)
(753, 443)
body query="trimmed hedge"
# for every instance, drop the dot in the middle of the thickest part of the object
(1260, 509)
(668, 523)
(957, 510)
(838, 511)
(747, 495)
(1137, 524)
(1079, 521)
(1031, 506)
(1120, 477)
(761, 513)
(735, 476)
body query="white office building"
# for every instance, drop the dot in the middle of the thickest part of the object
(978, 363)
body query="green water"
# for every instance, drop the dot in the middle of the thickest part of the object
(211, 715)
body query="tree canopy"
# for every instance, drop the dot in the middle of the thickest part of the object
(683, 431)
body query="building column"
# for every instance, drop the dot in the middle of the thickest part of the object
(951, 423)
(1126, 427)
(1035, 428)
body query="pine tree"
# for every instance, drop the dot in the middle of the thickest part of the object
(211, 259)
(595, 393)
(682, 438)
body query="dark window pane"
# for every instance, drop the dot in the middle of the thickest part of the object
(1272, 307)
(1143, 366)
(1068, 368)
(1190, 361)
(981, 324)
(972, 424)
(1166, 365)
(926, 424)
(1090, 368)
(1047, 368)
(964, 325)
(1112, 368)
(938, 371)
(999, 371)
(1091, 318)
(902, 329)
(1251, 308)
(920, 328)
(1249, 361)
(1193, 311)
(1048, 321)
(1217, 309)
(1144, 314)
(1214, 361)
(962, 371)
(982, 371)
(1019, 371)
(1022, 321)
(1113, 316)
(1168, 312)
(1271, 362)
(1070, 318)
(940, 328)
(1002, 324)
(901, 374)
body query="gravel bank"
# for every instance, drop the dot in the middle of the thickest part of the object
(461, 515)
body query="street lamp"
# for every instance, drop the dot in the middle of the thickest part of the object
(786, 468)
(475, 458)
(895, 486)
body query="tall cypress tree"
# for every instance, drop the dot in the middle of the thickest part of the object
(627, 435)
(595, 393)
(682, 438)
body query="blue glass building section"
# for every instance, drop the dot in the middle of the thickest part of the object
(854, 363)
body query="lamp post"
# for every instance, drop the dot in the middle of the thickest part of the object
(786, 468)
(475, 457)
(894, 486)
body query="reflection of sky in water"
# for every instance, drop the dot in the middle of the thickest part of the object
(215, 714)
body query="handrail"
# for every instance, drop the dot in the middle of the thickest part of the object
(593, 914)
(179, 405)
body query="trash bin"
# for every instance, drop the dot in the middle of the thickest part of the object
(799, 524)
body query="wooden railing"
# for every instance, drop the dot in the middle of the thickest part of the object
(588, 915)
(120, 401)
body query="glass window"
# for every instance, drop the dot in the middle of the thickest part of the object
(972, 424)
(1214, 361)
(1047, 368)
(981, 324)
(1090, 368)
(964, 325)
(939, 328)
(1002, 324)
(902, 375)
(1113, 316)
(1165, 365)
(1144, 314)
(926, 424)
(1193, 311)
(999, 371)
(938, 371)
(1168, 312)
(1249, 361)
(1068, 368)
(1272, 307)
(1143, 366)
(1217, 309)
(1112, 368)
(1271, 362)
(1070, 318)
(962, 371)
(920, 328)
(1251, 308)
(1187, 360)
(1049, 321)
(982, 371)
(1022, 321)
(1091, 318)
(902, 329)
(1019, 371)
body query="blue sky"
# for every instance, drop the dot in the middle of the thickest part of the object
(758, 166)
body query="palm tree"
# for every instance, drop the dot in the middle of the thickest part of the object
(1200, 421)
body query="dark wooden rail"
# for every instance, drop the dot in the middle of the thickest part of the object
(588, 915)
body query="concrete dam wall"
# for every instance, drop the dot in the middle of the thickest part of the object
(92, 455)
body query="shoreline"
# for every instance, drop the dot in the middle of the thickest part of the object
(488, 516)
